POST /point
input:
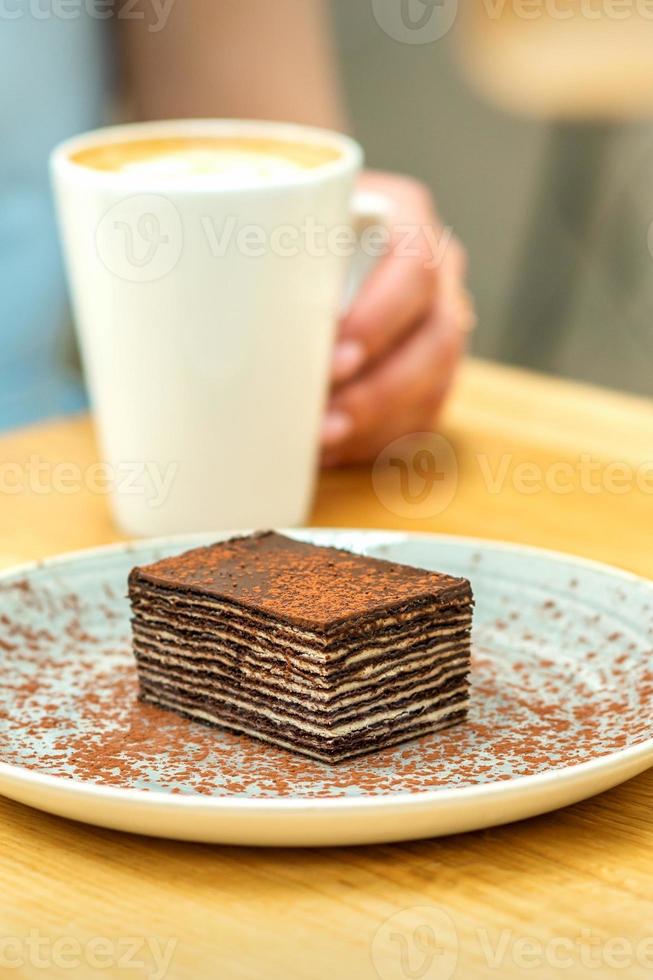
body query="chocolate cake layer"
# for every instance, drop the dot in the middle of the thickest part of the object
(219, 659)
(333, 663)
(322, 747)
(286, 633)
(332, 710)
(325, 722)
(315, 649)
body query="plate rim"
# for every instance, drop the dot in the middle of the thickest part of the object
(426, 799)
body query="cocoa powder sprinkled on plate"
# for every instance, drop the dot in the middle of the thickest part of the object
(541, 700)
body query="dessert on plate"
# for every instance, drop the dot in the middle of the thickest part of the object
(321, 651)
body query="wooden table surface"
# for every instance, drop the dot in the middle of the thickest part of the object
(571, 894)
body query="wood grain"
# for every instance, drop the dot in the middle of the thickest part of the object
(582, 876)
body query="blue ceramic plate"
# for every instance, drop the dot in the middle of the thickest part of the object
(561, 707)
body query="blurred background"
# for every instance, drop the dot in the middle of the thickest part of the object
(531, 120)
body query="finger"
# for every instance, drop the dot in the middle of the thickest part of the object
(452, 315)
(423, 360)
(387, 393)
(391, 301)
(396, 297)
(398, 291)
(362, 447)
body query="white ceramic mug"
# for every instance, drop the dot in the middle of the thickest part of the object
(206, 315)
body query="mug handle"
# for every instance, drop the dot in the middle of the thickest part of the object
(369, 210)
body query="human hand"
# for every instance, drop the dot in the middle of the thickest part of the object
(399, 344)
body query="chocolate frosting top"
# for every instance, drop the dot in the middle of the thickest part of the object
(301, 583)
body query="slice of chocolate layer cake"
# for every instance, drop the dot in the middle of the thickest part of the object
(315, 649)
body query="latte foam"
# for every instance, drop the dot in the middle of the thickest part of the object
(233, 159)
